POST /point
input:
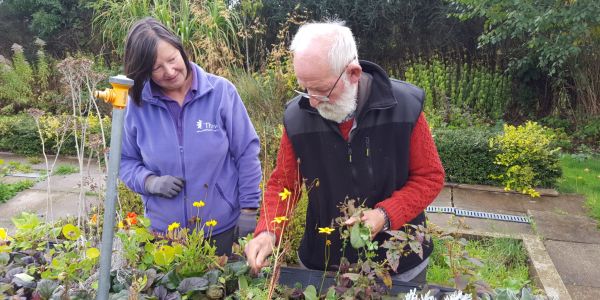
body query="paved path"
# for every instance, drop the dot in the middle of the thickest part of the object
(570, 238)
(64, 194)
(566, 237)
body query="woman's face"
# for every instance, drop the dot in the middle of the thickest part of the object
(169, 70)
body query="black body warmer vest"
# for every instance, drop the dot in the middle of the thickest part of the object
(369, 167)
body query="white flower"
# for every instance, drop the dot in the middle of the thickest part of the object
(458, 295)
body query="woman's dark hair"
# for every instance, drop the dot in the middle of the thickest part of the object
(140, 52)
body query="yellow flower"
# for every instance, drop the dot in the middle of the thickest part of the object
(279, 220)
(173, 226)
(285, 194)
(199, 204)
(326, 230)
(211, 223)
(120, 225)
(3, 234)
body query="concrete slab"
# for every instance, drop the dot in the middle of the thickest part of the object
(62, 160)
(565, 227)
(11, 179)
(450, 223)
(34, 201)
(543, 269)
(583, 292)
(572, 204)
(489, 201)
(500, 202)
(444, 198)
(577, 263)
(71, 183)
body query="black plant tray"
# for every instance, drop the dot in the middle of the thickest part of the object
(290, 276)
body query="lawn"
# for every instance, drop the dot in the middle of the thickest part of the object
(581, 175)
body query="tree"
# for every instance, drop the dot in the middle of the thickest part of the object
(559, 37)
(62, 23)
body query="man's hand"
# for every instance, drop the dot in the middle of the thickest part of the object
(372, 218)
(258, 250)
(165, 186)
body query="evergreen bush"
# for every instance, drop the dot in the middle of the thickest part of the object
(466, 155)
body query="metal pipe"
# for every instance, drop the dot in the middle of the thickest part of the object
(118, 97)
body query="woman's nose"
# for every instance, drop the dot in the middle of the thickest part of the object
(169, 71)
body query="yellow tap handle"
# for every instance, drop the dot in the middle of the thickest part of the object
(117, 96)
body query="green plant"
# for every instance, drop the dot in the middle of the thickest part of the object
(466, 155)
(589, 132)
(527, 157)
(15, 81)
(65, 170)
(453, 88)
(9, 190)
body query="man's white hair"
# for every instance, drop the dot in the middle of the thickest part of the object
(336, 34)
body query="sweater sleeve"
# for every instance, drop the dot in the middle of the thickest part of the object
(285, 176)
(425, 180)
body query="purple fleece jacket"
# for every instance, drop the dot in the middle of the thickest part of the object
(216, 154)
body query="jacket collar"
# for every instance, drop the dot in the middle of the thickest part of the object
(202, 85)
(381, 90)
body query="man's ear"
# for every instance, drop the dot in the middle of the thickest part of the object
(355, 71)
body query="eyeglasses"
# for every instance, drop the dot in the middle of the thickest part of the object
(322, 98)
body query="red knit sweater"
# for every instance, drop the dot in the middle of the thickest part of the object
(424, 183)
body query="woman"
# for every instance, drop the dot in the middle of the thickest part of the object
(189, 147)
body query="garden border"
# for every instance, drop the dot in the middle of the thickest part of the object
(542, 268)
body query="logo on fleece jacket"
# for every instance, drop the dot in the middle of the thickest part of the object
(204, 126)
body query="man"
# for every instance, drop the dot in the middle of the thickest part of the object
(359, 135)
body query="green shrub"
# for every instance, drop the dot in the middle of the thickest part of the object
(9, 190)
(450, 84)
(18, 134)
(589, 133)
(129, 201)
(527, 157)
(465, 154)
(16, 80)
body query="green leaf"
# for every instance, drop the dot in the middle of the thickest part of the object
(330, 294)
(71, 232)
(92, 253)
(356, 240)
(164, 255)
(310, 293)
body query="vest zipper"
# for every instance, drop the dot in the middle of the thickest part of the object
(369, 160)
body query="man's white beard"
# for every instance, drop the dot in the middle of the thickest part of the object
(344, 106)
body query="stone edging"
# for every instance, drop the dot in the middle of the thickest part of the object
(495, 189)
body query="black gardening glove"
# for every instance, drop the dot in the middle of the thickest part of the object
(165, 186)
(246, 223)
